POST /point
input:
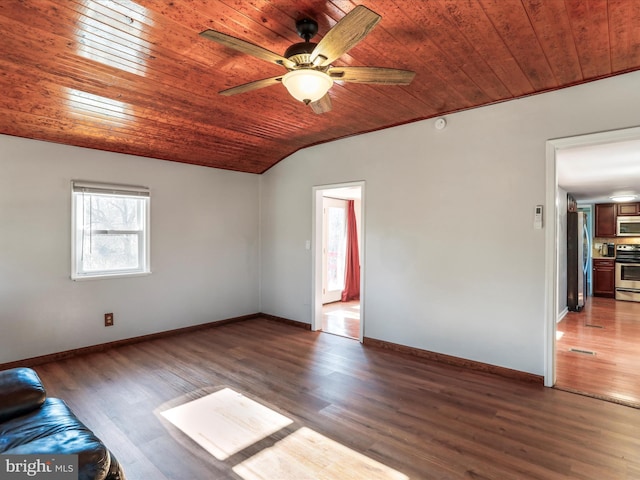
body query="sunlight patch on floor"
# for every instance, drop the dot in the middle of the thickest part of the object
(226, 422)
(305, 454)
(559, 334)
(344, 314)
(629, 399)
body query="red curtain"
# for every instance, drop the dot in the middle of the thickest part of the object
(352, 271)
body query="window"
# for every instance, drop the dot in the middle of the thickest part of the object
(110, 234)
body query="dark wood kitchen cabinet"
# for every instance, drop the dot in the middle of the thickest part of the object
(604, 278)
(628, 209)
(606, 220)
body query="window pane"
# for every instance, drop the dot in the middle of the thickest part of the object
(110, 252)
(108, 212)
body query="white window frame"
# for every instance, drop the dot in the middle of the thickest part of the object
(79, 189)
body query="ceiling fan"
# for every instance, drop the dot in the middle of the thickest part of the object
(310, 73)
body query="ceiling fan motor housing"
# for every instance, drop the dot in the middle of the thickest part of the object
(300, 53)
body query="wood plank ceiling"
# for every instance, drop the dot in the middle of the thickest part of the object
(135, 77)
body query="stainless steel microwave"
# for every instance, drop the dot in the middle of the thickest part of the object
(628, 227)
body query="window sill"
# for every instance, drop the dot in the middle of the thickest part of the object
(105, 276)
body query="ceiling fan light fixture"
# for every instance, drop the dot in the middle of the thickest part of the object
(307, 85)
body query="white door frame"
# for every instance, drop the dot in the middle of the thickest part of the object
(316, 253)
(551, 235)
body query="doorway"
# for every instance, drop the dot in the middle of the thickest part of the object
(338, 253)
(583, 352)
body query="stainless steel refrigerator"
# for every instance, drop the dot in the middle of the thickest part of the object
(578, 254)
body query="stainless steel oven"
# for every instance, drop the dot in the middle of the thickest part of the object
(628, 272)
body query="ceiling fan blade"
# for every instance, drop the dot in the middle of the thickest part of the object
(352, 28)
(247, 47)
(247, 87)
(379, 75)
(323, 105)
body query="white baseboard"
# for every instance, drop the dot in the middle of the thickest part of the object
(562, 314)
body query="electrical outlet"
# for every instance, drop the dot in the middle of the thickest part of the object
(108, 319)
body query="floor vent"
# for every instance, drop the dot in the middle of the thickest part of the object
(578, 350)
(593, 326)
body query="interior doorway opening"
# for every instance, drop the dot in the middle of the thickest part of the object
(590, 351)
(338, 260)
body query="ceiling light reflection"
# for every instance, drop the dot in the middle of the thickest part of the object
(109, 33)
(87, 105)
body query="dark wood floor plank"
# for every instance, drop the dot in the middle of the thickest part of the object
(424, 419)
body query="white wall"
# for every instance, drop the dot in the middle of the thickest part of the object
(204, 249)
(453, 263)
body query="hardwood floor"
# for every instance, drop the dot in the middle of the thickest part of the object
(423, 419)
(605, 361)
(342, 318)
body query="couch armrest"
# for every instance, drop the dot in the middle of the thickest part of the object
(21, 391)
(115, 470)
